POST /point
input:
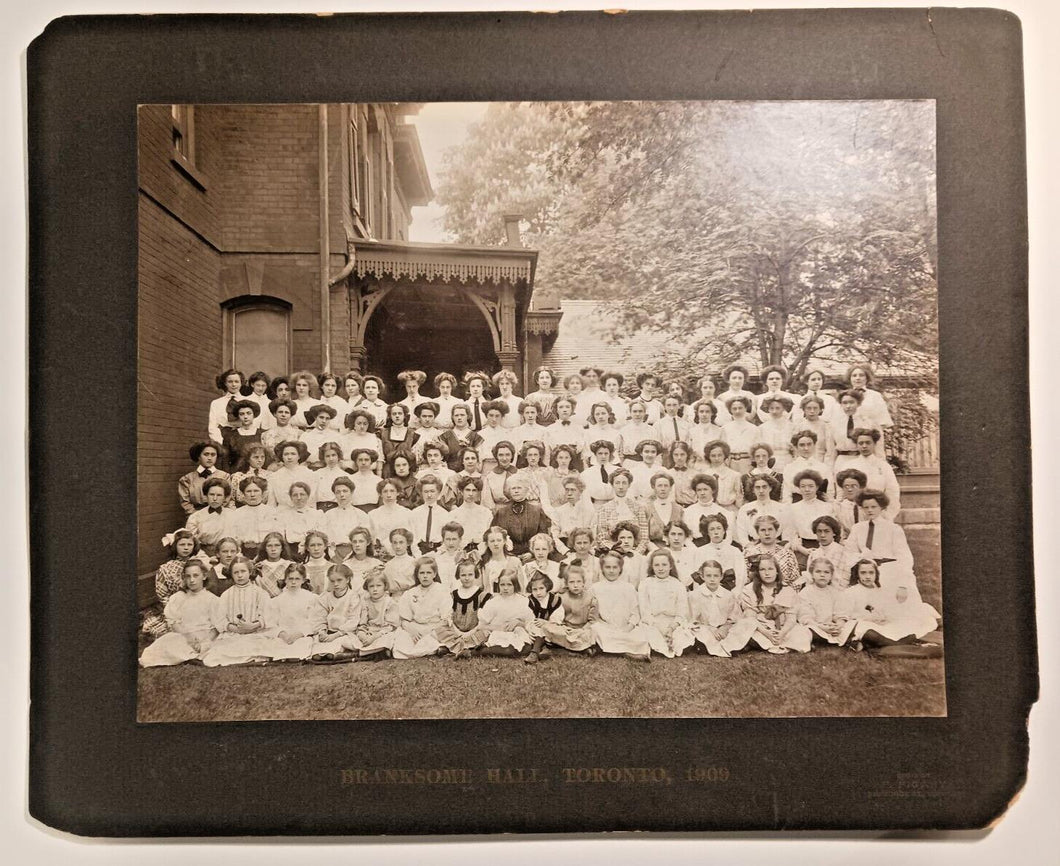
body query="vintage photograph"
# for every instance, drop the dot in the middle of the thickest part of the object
(538, 410)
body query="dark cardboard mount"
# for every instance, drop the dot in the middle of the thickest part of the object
(94, 771)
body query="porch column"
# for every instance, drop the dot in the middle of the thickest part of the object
(508, 354)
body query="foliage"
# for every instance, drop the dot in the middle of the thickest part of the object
(801, 230)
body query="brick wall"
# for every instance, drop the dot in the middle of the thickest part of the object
(179, 326)
(267, 171)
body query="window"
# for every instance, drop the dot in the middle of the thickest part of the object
(258, 336)
(183, 156)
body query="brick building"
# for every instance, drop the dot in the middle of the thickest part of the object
(275, 238)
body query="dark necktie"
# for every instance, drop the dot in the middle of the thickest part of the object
(430, 515)
(565, 423)
(869, 537)
(213, 510)
(478, 416)
(857, 517)
(603, 473)
(677, 435)
(850, 427)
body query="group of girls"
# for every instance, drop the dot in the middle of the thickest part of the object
(330, 527)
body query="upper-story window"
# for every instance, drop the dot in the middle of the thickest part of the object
(184, 156)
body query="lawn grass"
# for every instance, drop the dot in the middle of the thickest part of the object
(827, 682)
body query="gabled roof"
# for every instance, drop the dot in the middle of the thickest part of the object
(583, 340)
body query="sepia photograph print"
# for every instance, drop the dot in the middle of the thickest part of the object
(538, 410)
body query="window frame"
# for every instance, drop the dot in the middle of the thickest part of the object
(234, 308)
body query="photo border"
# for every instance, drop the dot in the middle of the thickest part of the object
(94, 771)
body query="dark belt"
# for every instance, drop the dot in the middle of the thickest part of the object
(846, 452)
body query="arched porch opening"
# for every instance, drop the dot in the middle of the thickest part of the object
(427, 327)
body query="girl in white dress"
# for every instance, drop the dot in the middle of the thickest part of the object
(679, 459)
(879, 617)
(740, 434)
(854, 419)
(400, 569)
(772, 608)
(530, 431)
(805, 511)
(708, 393)
(359, 434)
(422, 610)
(329, 396)
(374, 390)
(506, 616)
(292, 457)
(804, 444)
(615, 620)
(282, 430)
(776, 431)
(601, 427)
(775, 378)
(544, 397)
(379, 618)
(290, 619)
(810, 410)
(625, 537)
(819, 606)
(830, 411)
(497, 558)
(361, 561)
(474, 517)
(336, 616)
(191, 615)
(730, 486)
(828, 532)
(705, 427)
(663, 603)
(716, 612)
(240, 620)
(636, 430)
(763, 488)
(535, 470)
(717, 546)
(444, 383)
(505, 381)
(873, 405)
(316, 561)
(305, 396)
(388, 516)
(735, 375)
(612, 383)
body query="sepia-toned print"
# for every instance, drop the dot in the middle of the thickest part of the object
(552, 410)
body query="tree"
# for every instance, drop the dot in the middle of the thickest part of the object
(782, 232)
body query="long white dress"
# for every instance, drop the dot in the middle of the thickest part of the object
(422, 611)
(188, 615)
(337, 618)
(617, 627)
(665, 614)
(716, 610)
(764, 614)
(292, 611)
(506, 619)
(242, 605)
(818, 608)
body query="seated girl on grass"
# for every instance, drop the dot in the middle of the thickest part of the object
(379, 618)
(664, 607)
(771, 607)
(463, 633)
(506, 616)
(422, 610)
(316, 560)
(573, 632)
(336, 617)
(190, 614)
(715, 611)
(181, 546)
(272, 561)
(615, 618)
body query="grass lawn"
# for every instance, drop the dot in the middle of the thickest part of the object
(827, 682)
